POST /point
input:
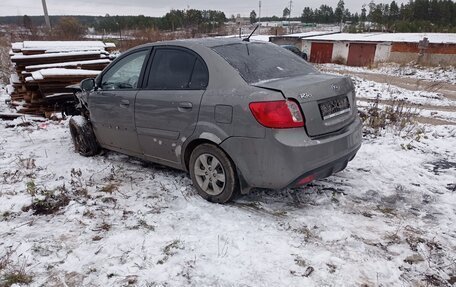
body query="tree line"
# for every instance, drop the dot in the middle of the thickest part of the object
(202, 20)
(415, 16)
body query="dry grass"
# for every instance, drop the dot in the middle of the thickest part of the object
(396, 116)
(170, 250)
(15, 276)
(6, 67)
(110, 188)
(5, 260)
(10, 273)
(45, 201)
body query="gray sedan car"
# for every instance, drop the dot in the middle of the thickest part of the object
(234, 114)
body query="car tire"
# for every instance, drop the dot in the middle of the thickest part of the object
(84, 140)
(213, 174)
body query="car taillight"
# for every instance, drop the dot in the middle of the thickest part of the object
(277, 114)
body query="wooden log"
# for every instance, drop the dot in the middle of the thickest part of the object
(21, 62)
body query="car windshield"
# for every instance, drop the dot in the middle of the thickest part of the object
(260, 62)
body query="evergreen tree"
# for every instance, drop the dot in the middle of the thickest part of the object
(339, 12)
(326, 14)
(307, 15)
(363, 16)
(420, 9)
(355, 18)
(347, 15)
(372, 7)
(253, 17)
(394, 11)
(27, 22)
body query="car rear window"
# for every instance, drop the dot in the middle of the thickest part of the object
(259, 62)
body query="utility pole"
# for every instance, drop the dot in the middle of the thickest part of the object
(289, 17)
(46, 15)
(259, 16)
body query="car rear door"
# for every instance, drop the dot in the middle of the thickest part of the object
(112, 104)
(166, 110)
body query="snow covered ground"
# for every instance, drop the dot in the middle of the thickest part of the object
(386, 220)
(435, 74)
(371, 90)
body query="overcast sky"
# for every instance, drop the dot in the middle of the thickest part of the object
(160, 7)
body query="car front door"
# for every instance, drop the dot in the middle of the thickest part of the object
(112, 104)
(166, 110)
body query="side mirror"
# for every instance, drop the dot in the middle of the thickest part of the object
(88, 85)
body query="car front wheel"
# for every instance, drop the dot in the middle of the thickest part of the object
(84, 140)
(213, 174)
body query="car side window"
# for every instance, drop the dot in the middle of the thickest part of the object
(175, 69)
(125, 73)
(200, 76)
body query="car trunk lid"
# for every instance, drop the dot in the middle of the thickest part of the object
(327, 101)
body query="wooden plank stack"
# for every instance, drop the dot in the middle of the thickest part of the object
(44, 70)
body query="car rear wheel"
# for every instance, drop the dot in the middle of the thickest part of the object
(84, 140)
(213, 174)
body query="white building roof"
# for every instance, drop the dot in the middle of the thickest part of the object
(436, 38)
(307, 34)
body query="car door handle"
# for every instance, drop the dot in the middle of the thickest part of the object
(124, 103)
(185, 106)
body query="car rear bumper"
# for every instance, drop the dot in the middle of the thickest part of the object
(285, 157)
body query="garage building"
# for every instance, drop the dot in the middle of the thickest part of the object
(371, 48)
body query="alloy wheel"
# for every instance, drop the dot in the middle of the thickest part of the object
(210, 174)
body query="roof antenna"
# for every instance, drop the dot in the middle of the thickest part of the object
(248, 38)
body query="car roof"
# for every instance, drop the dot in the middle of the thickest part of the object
(204, 42)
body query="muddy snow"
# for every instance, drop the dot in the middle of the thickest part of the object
(111, 220)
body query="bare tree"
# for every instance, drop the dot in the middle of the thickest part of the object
(69, 28)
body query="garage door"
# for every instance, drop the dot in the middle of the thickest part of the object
(361, 54)
(321, 52)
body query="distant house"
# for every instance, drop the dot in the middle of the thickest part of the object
(242, 21)
(370, 48)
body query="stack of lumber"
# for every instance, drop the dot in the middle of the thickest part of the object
(45, 69)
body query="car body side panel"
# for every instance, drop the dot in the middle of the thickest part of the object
(226, 91)
(112, 117)
(227, 88)
(112, 112)
(285, 155)
(163, 124)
